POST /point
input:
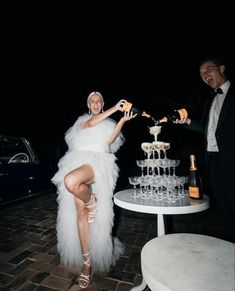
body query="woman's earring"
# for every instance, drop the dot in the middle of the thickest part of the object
(89, 112)
(102, 109)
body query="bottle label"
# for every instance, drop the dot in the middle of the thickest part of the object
(183, 113)
(127, 106)
(194, 192)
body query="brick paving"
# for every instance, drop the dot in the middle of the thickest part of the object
(29, 258)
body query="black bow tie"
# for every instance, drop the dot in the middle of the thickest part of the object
(217, 91)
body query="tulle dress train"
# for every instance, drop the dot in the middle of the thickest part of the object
(88, 146)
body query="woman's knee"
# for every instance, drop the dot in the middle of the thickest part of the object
(71, 183)
(81, 176)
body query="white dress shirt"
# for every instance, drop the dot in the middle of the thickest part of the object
(214, 117)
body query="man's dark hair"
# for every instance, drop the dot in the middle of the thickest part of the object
(218, 62)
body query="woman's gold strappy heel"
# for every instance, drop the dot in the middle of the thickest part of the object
(91, 206)
(84, 280)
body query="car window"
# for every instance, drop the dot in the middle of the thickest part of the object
(9, 147)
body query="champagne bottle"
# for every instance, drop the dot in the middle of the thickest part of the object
(194, 180)
(176, 114)
(128, 106)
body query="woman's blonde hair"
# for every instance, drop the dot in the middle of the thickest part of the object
(95, 93)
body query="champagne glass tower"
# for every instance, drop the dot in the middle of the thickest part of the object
(159, 179)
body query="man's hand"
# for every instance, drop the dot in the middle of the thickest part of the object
(183, 121)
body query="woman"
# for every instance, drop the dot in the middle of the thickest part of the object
(85, 183)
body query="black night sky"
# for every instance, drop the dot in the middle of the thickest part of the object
(52, 61)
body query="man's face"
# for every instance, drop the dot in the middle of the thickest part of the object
(212, 74)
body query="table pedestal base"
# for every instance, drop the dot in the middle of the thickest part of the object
(160, 232)
(160, 225)
(139, 287)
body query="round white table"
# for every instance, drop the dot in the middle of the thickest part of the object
(184, 205)
(188, 262)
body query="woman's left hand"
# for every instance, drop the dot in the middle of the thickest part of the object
(128, 115)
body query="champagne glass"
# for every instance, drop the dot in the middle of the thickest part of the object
(134, 180)
(147, 148)
(141, 164)
(155, 130)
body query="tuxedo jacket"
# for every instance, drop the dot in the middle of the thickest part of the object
(225, 132)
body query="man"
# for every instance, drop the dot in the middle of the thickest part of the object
(218, 125)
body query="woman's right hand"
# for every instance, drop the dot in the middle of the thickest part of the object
(119, 105)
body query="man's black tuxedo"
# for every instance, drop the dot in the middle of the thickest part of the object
(221, 165)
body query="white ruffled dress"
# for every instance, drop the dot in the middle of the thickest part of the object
(89, 146)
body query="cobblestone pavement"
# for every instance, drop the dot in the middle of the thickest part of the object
(29, 258)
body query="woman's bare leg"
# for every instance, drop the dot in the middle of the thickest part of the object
(77, 182)
(83, 232)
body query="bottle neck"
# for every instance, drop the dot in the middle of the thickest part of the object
(193, 166)
(164, 119)
(145, 114)
(178, 114)
(128, 106)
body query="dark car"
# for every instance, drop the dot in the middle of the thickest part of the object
(22, 174)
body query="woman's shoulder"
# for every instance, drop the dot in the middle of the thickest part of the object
(80, 119)
(84, 116)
